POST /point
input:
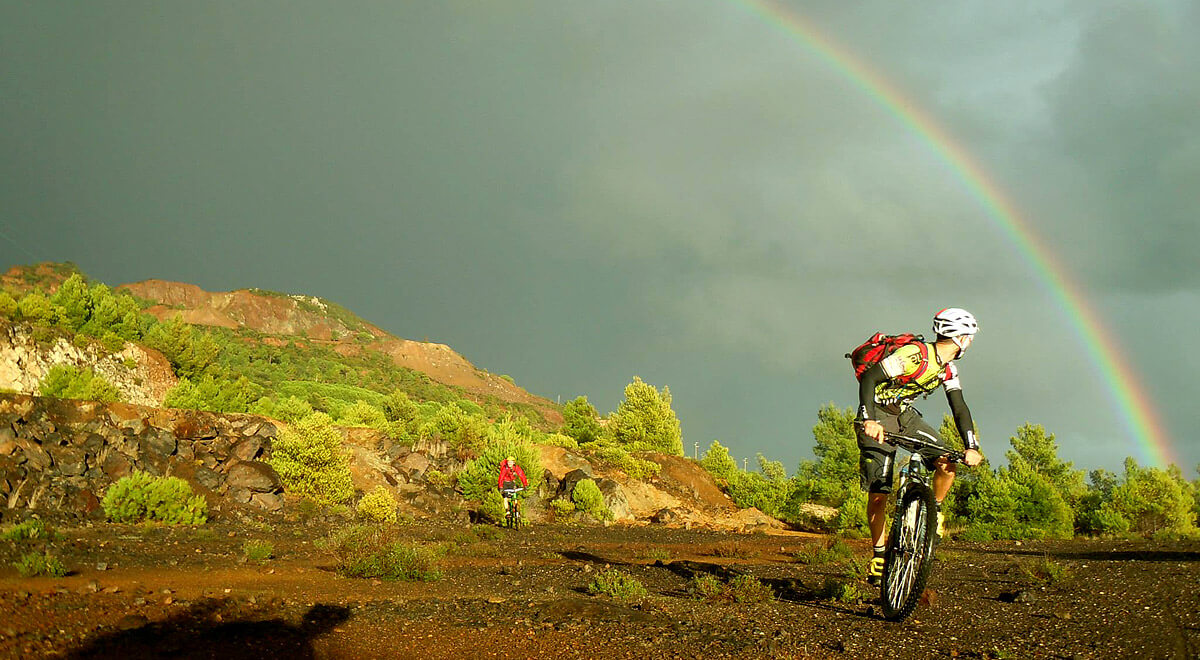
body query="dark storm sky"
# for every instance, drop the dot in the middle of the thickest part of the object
(575, 193)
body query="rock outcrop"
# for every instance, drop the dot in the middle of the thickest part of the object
(61, 455)
(142, 375)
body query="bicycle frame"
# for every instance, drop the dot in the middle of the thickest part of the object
(911, 544)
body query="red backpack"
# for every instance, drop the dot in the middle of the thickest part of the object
(880, 346)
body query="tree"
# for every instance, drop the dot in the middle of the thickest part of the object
(646, 421)
(1154, 500)
(581, 421)
(834, 476)
(1034, 449)
(718, 462)
(74, 298)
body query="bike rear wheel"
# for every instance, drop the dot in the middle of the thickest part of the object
(909, 552)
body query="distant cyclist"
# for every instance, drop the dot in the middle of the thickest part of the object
(885, 393)
(510, 474)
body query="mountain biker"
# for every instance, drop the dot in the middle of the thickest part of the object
(510, 473)
(885, 405)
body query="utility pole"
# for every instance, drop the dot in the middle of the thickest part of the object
(696, 452)
(745, 462)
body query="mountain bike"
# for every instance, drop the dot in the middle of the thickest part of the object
(512, 517)
(913, 536)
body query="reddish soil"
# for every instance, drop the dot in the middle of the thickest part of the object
(139, 591)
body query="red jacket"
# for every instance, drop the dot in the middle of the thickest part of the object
(511, 474)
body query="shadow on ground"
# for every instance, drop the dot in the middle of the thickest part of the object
(202, 631)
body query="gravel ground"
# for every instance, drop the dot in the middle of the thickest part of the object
(139, 591)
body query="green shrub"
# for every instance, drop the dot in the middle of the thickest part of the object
(562, 507)
(1044, 571)
(617, 585)
(620, 458)
(581, 423)
(843, 590)
(214, 394)
(558, 440)
(258, 550)
(588, 499)
(740, 589)
(8, 306)
(35, 564)
(378, 505)
(30, 530)
(361, 413)
(367, 551)
(142, 497)
(439, 479)
(67, 382)
(311, 461)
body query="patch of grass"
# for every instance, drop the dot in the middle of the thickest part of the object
(617, 585)
(1045, 571)
(741, 589)
(33, 529)
(365, 551)
(843, 591)
(732, 550)
(815, 554)
(655, 554)
(35, 564)
(258, 550)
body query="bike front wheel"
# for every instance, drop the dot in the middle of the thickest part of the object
(909, 552)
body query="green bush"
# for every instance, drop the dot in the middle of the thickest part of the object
(368, 551)
(1152, 500)
(620, 458)
(562, 508)
(1018, 503)
(36, 564)
(740, 589)
(8, 305)
(214, 394)
(492, 506)
(142, 497)
(580, 421)
(617, 585)
(361, 413)
(258, 550)
(378, 505)
(64, 381)
(311, 461)
(588, 499)
(558, 440)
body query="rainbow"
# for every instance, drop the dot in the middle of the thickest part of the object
(1136, 411)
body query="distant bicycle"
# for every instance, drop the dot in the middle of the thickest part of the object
(913, 537)
(512, 517)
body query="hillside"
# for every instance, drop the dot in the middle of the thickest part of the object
(309, 327)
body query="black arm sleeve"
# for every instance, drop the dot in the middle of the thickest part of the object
(962, 418)
(871, 378)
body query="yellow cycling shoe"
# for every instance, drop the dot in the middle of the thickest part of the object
(875, 569)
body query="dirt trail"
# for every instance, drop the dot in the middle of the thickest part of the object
(157, 592)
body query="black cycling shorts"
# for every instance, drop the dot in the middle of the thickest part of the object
(875, 460)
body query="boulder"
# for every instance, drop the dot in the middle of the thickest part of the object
(38, 458)
(210, 479)
(117, 465)
(253, 476)
(247, 450)
(666, 516)
(70, 461)
(615, 500)
(414, 465)
(267, 501)
(158, 442)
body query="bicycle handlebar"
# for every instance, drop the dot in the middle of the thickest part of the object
(913, 444)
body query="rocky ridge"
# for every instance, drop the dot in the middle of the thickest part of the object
(61, 455)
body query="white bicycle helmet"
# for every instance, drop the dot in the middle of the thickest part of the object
(955, 323)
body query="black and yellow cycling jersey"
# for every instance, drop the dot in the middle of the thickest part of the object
(913, 371)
